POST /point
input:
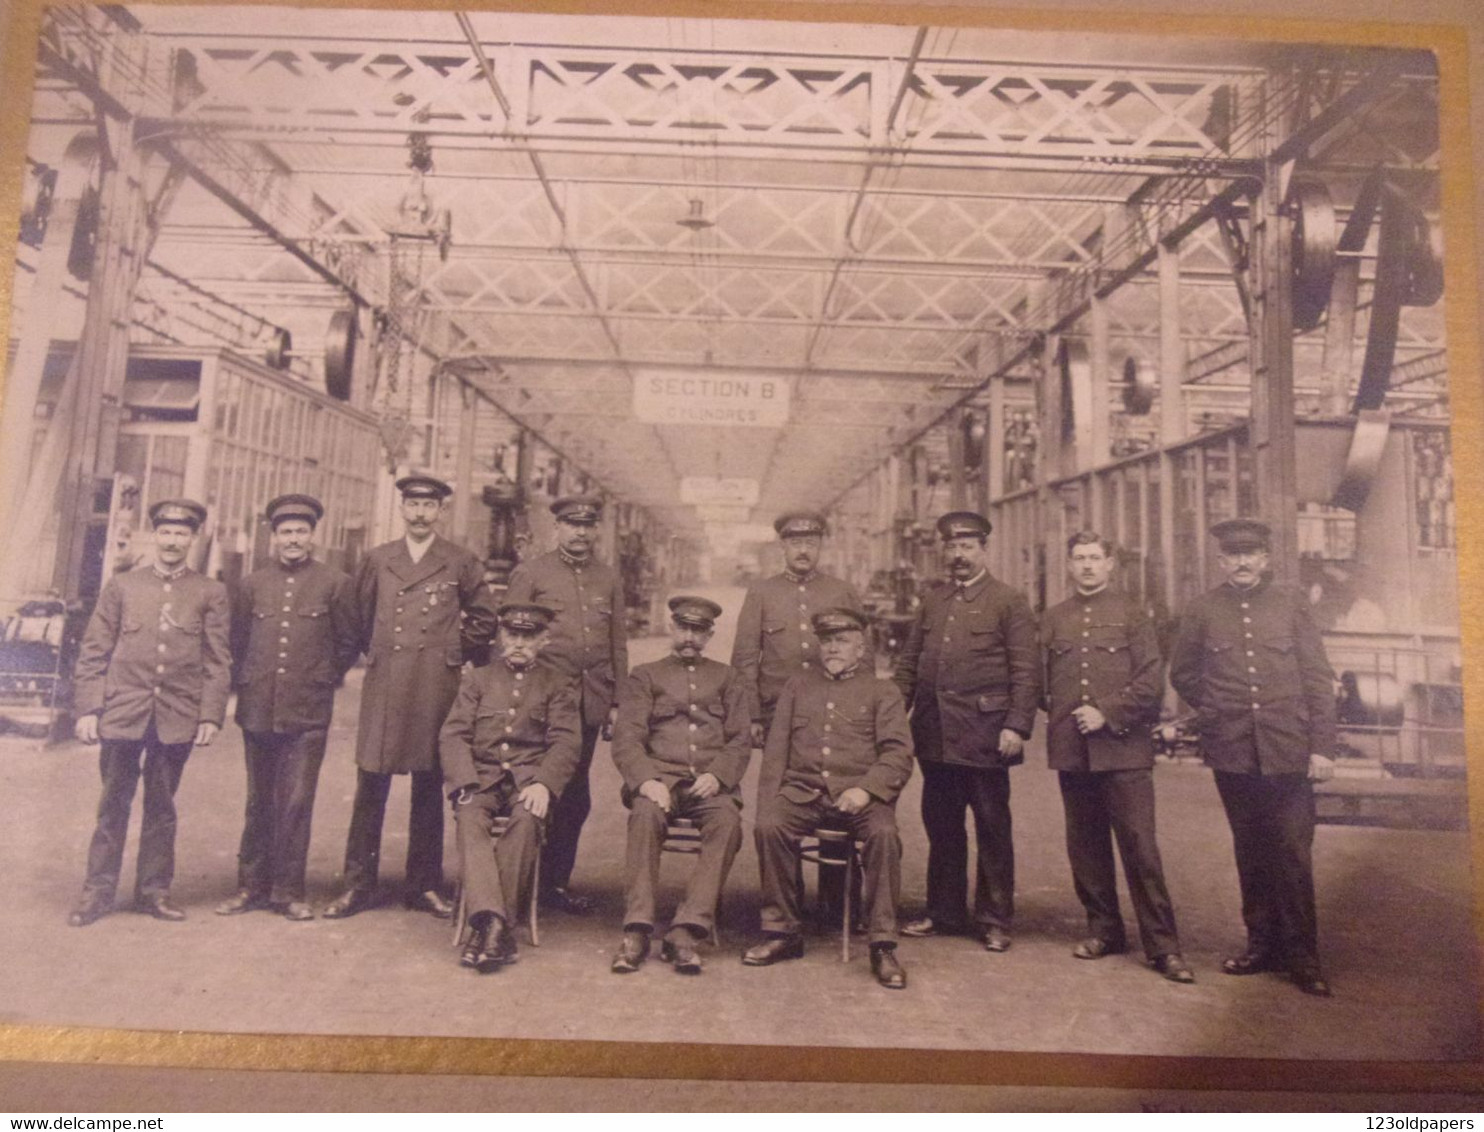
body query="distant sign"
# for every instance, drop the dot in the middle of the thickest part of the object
(712, 491)
(721, 513)
(749, 400)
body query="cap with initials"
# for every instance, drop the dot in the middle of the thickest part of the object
(578, 509)
(697, 611)
(795, 523)
(839, 619)
(421, 486)
(963, 524)
(524, 617)
(186, 511)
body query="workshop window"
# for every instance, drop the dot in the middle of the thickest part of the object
(1432, 490)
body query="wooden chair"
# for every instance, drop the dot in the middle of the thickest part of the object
(850, 861)
(460, 920)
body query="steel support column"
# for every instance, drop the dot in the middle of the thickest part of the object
(1171, 409)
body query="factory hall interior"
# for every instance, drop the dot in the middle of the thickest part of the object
(1029, 393)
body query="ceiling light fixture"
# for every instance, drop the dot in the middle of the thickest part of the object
(696, 220)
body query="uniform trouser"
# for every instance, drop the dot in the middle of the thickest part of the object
(947, 791)
(720, 820)
(1101, 806)
(496, 877)
(424, 831)
(782, 822)
(1272, 822)
(567, 815)
(831, 880)
(119, 764)
(282, 774)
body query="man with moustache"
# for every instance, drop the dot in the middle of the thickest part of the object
(589, 646)
(295, 633)
(681, 745)
(970, 674)
(838, 754)
(423, 610)
(1249, 658)
(509, 746)
(151, 680)
(1104, 681)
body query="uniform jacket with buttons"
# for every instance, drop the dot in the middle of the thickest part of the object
(588, 638)
(775, 632)
(829, 735)
(1252, 664)
(415, 642)
(155, 649)
(678, 720)
(970, 668)
(523, 724)
(1100, 650)
(295, 632)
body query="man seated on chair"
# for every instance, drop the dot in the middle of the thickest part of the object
(508, 748)
(837, 755)
(681, 743)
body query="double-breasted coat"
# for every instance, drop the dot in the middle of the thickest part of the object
(775, 633)
(295, 633)
(969, 669)
(1252, 664)
(416, 643)
(588, 638)
(155, 649)
(1100, 650)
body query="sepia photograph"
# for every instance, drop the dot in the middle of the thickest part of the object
(736, 533)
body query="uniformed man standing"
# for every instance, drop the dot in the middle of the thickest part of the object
(838, 754)
(681, 745)
(970, 674)
(151, 679)
(1104, 681)
(295, 632)
(589, 646)
(423, 610)
(1248, 657)
(509, 748)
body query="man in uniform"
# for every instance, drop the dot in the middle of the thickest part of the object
(509, 748)
(1248, 657)
(969, 672)
(151, 679)
(838, 754)
(589, 646)
(1104, 681)
(681, 745)
(295, 632)
(423, 610)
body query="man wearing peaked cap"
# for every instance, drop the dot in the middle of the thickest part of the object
(151, 681)
(509, 748)
(969, 672)
(837, 756)
(589, 646)
(1249, 658)
(424, 611)
(295, 633)
(681, 746)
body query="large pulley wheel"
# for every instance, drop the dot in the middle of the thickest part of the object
(1424, 262)
(1315, 235)
(340, 354)
(280, 349)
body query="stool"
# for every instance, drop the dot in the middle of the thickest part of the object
(683, 835)
(809, 850)
(498, 826)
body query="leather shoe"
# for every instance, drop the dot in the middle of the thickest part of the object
(774, 949)
(884, 965)
(681, 954)
(89, 911)
(160, 908)
(1172, 967)
(566, 901)
(1310, 981)
(632, 952)
(476, 942)
(432, 902)
(996, 939)
(347, 904)
(295, 910)
(926, 926)
(1095, 947)
(1249, 963)
(500, 949)
(244, 901)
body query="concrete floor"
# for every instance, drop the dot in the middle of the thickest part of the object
(1395, 912)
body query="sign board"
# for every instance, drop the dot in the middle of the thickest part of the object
(711, 397)
(712, 491)
(721, 513)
